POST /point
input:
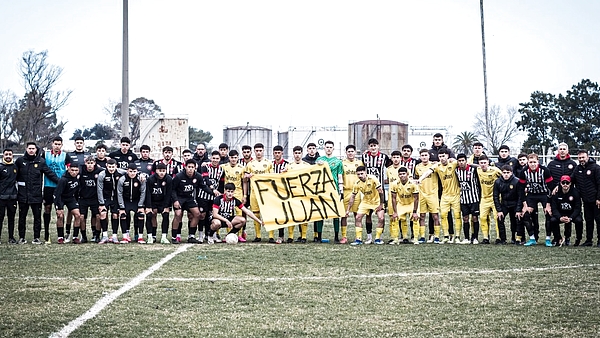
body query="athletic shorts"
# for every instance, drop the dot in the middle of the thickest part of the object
(131, 206)
(111, 206)
(158, 207)
(429, 204)
(205, 206)
(357, 199)
(71, 204)
(470, 209)
(91, 204)
(49, 195)
(189, 204)
(366, 209)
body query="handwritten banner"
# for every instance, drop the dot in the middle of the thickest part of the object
(297, 196)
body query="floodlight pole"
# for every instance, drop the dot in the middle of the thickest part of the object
(125, 84)
(484, 64)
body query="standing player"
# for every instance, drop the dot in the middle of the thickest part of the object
(350, 164)
(311, 154)
(200, 155)
(246, 158)
(158, 199)
(487, 177)
(407, 161)
(372, 194)
(131, 194)
(533, 189)
(506, 200)
(298, 163)
(124, 156)
(376, 162)
(57, 161)
(65, 195)
(79, 155)
(223, 151)
(101, 155)
(214, 177)
(470, 192)
(108, 201)
(234, 174)
(88, 197)
(586, 178)
(8, 193)
(173, 166)
(405, 201)
(280, 165)
(438, 144)
(504, 158)
(260, 165)
(337, 171)
(144, 163)
(391, 174)
(428, 197)
(224, 214)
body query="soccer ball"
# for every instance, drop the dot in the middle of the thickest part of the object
(231, 238)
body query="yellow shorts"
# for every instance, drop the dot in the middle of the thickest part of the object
(357, 199)
(429, 204)
(364, 208)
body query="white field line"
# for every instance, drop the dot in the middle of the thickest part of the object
(106, 300)
(309, 278)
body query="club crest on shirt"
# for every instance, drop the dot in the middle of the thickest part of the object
(135, 184)
(570, 198)
(570, 166)
(129, 158)
(164, 183)
(511, 186)
(589, 172)
(194, 181)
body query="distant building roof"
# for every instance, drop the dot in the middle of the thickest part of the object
(386, 122)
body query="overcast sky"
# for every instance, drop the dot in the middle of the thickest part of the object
(304, 63)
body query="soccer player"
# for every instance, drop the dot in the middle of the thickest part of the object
(561, 165)
(376, 162)
(470, 192)
(158, 199)
(405, 201)
(311, 154)
(477, 152)
(506, 201)
(88, 197)
(533, 189)
(337, 171)
(8, 193)
(186, 186)
(566, 209)
(65, 195)
(173, 166)
(298, 163)
(131, 194)
(224, 214)
(234, 173)
(214, 177)
(372, 194)
(259, 165)
(586, 178)
(391, 176)
(407, 161)
(504, 158)
(144, 164)
(280, 166)
(428, 197)
(58, 161)
(350, 164)
(79, 155)
(246, 158)
(124, 156)
(108, 201)
(487, 177)
(101, 156)
(450, 200)
(223, 151)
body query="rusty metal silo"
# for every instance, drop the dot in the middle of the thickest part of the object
(392, 135)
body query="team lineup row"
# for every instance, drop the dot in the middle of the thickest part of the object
(461, 195)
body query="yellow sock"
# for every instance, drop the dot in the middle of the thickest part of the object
(485, 229)
(445, 228)
(344, 231)
(358, 231)
(303, 230)
(291, 231)
(518, 238)
(421, 231)
(257, 229)
(394, 229)
(378, 233)
(405, 229)
(436, 231)
(416, 231)
(272, 234)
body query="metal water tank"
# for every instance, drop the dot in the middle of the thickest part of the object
(391, 135)
(236, 137)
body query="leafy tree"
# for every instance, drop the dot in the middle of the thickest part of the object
(35, 117)
(199, 136)
(138, 108)
(538, 120)
(463, 142)
(578, 121)
(499, 127)
(97, 132)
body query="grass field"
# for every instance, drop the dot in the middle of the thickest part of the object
(299, 290)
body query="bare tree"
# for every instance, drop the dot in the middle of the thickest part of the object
(499, 127)
(35, 119)
(8, 107)
(138, 108)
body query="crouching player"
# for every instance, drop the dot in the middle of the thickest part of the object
(64, 195)
(405, 201)
(372, 200)
(223, 213)
(131, 194)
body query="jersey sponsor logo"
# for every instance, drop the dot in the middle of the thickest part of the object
(157, 191)
(188, 188)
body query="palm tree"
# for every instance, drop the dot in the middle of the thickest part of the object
(463, 142)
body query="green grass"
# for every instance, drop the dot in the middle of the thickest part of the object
(310, 290)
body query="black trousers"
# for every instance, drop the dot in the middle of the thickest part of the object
(510, 213)
(555, 222)
(36, 209)
(591, 214)
(8, 208)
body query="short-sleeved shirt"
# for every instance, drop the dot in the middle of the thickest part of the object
(369, 190)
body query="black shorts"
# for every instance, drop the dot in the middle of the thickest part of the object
(205, 206)
(470, 209)
(131, 206)
(91, 204)
(247, 203)
(158, 207)
(533, 200)
(111, 206)
(71, 204)
(187, 205)
(49, 195)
